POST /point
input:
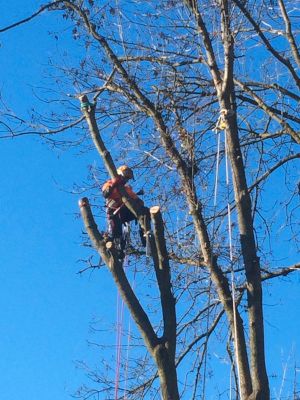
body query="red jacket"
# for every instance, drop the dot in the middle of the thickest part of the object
(110, 191)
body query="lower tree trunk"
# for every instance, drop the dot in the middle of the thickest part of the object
(166, 372)
(259, 377)
(260, 394)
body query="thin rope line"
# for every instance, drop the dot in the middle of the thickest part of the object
(230, 383)
(212, 248)
(120, 308)
(120, 27)
(231, 263)
(120, 315)
(128, 341)
(217, 172)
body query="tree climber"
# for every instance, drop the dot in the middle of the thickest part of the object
(117, 213)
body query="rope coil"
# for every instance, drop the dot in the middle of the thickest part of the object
(222, 120)
(86, 105)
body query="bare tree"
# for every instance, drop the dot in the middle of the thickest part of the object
(172, 77)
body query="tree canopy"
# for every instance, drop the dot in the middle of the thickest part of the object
(202, 101)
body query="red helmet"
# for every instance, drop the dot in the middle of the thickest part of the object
(125, 171)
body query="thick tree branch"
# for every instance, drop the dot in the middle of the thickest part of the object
(273, 110)
(289, 33)
(227, 39)
(280, 272)
(164, 281)
(275, 87)
(48, 7)
(203, 32)
(110, 257)
(276, 273)
(163, 351)
(92, 229)
(89, 113)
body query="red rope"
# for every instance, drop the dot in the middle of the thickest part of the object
(120, 317)
(120, 309)
(128, 343)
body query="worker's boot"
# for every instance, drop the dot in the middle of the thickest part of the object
(143, 237)
(119, 245)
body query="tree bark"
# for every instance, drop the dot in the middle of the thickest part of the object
(163, 350)
(259, 376)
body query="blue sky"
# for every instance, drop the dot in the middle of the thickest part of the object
(46, 307)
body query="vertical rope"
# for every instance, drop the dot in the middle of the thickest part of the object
(120, 309)
(120, 318)
(217, 174)
(212, 249)
(128, 342)
(230, 384)
(231, 264)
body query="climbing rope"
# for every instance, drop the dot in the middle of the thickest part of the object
(128, 342)
(120, 312)
(120, 315)
(216, 182)
(227, 166)
(221, 126)
(120, 324)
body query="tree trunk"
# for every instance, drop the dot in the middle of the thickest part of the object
(167, 372)
(260, 383)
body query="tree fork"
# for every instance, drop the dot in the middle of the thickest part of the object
(162, 350)
(164, 281)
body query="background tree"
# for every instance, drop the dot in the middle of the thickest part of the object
(162, 79)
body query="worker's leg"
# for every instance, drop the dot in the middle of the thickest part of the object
(127, 216)
(114, 224)
(143, 234)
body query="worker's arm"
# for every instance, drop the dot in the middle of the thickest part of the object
(109, 186)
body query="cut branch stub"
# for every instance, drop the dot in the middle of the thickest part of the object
(158, 230)
(83, 202)
(154, 210)
(109, 245)
(92, 229)
(84, 102)
(88, 110)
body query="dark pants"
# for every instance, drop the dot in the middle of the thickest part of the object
(116, 221)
